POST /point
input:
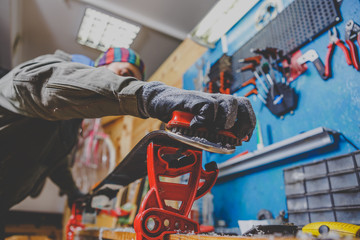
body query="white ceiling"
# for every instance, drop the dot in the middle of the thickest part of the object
(47, 25)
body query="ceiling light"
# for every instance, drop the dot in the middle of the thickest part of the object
(101, 31)
(223, 16)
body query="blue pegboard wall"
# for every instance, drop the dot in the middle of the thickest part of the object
(334, 104)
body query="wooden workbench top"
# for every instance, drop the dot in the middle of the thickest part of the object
(118, 234)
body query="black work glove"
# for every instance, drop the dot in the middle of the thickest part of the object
(213, 111)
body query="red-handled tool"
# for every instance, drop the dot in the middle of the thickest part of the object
(252, 91)
(250, 81)
(334, 40)
(352, 33)
(224, 83)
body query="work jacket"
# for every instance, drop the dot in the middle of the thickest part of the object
(42, 104)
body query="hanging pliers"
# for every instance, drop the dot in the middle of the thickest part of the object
(352, 33)
(334, 40)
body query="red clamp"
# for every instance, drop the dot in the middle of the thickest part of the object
(75, 221)
(156, 217)
(334, 40)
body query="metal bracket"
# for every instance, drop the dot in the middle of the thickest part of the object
(302, 143)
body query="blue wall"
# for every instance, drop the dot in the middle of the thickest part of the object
(334, 104)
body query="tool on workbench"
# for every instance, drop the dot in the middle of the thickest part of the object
(312, 56)
(352, 34)
(334, 40)
(282, 230)
(324, 228)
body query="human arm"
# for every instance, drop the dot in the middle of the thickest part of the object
(53, 88)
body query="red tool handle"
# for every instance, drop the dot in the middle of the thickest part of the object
(354, 54)
(248, 67)
(345, 50)
(253, 91)
(328, 59)
(250, 81)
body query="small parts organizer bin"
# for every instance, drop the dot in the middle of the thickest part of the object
(326, 190)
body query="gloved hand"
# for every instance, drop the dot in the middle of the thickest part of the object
(218, 111)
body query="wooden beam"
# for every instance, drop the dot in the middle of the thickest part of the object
(174, 67)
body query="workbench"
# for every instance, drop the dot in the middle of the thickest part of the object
(118, 234)
(127, 235)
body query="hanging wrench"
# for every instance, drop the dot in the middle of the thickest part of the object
(312, 56)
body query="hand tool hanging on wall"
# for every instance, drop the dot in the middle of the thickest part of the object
(352, 34)
(220, 76)
(289, 32)
(312, 56)
(254, 91)
(269, 60)
(280, 97)
(282, 65)
(225, 74)
(254, 61)
(252, 67)
(334, 40)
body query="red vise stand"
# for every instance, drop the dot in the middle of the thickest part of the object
(155, 217)
(75, 221)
